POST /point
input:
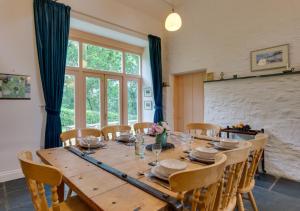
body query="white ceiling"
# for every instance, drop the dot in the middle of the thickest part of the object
(156, 8)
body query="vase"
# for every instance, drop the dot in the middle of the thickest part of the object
(161, 139)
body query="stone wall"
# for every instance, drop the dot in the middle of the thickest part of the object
(272, 103)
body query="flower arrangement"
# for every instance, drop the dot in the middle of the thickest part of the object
(159, 128)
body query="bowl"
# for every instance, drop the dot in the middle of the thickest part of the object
(170, 166)
(205, 152)
(229, 143)
(92, 140)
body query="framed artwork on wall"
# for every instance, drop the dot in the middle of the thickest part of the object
(14, 87)
(148, 105)
(270, 58)
(147, 92)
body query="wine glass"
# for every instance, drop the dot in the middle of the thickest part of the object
(156, 149)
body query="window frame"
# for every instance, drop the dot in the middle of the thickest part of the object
(81, 73)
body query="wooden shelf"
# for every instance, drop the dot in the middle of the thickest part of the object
(255, 76)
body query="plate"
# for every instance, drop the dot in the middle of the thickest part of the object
(219, 146)
(156, 173)
(201, 160)
(92, 146)
(131, 139)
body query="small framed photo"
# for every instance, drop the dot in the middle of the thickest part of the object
(270, 58)
(148, 92)
(148, 105)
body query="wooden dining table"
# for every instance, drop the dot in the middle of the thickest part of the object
(104, 191)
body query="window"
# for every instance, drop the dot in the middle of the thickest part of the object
(132, 63)
(132, 101)
(68, 104)
(99, 58)
(102, 82)
(73, 54)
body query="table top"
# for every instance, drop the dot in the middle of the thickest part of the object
(102, 190)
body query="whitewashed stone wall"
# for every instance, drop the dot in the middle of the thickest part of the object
(272, 103)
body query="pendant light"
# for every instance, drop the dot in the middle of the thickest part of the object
(173, 21)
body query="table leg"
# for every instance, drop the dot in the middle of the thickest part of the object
(61, 191)
(263, 162)
(227, 134)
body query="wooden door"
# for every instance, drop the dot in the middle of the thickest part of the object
(188, 99)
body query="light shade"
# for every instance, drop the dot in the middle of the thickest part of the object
(173, 22)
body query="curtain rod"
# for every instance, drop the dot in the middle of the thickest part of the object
(110, 23)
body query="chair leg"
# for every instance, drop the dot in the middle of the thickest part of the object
(240, 202)
(252, 200)
(69, 193)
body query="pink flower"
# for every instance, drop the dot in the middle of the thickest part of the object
(159, 129)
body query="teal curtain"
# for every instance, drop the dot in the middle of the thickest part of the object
(156, 70)
(52, 24)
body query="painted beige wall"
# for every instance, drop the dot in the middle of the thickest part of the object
(22, 122)
(219, 35)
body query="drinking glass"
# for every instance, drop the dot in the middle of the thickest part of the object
(156, 149)
(188, 139)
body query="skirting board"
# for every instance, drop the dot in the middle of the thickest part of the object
(11, 175)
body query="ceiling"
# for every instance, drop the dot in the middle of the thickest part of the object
(155, 8)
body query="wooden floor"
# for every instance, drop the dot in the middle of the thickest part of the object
(271, 195)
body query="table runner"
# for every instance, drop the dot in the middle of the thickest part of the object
(172, 201)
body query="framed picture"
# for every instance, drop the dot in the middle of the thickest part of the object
(14, 87)
(148, 92)
(148, 105)
(270, 58)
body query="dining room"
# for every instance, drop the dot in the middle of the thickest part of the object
(149, 105)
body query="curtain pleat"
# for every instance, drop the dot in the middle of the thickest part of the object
(52, 24)
(156, 70)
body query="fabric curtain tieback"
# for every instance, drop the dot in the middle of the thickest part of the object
(158, 107)
(52, 111)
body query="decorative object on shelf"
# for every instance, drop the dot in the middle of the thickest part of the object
(270, 58)
(160, 131)
(222, 76)
(235, 76)
(147, 92)
(14, 87)
(148, 105)
(259, 76)
(209, 76)
(241, 126)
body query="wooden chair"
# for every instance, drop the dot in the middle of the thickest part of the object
(142, 126)
(203, 183)
(248, 178)
(68, 137)
(202, 128)
(112, 131)
(236, 160)
(39, 174)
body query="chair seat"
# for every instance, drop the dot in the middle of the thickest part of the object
(248, 188)
(73, 203)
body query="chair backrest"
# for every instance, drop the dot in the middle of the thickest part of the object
(236, 160)
(36, 176)
(202, 128)
(89, 132)
(112, 131)
(141, 126)
(258, 145)
(203, 182)
(68, 137)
